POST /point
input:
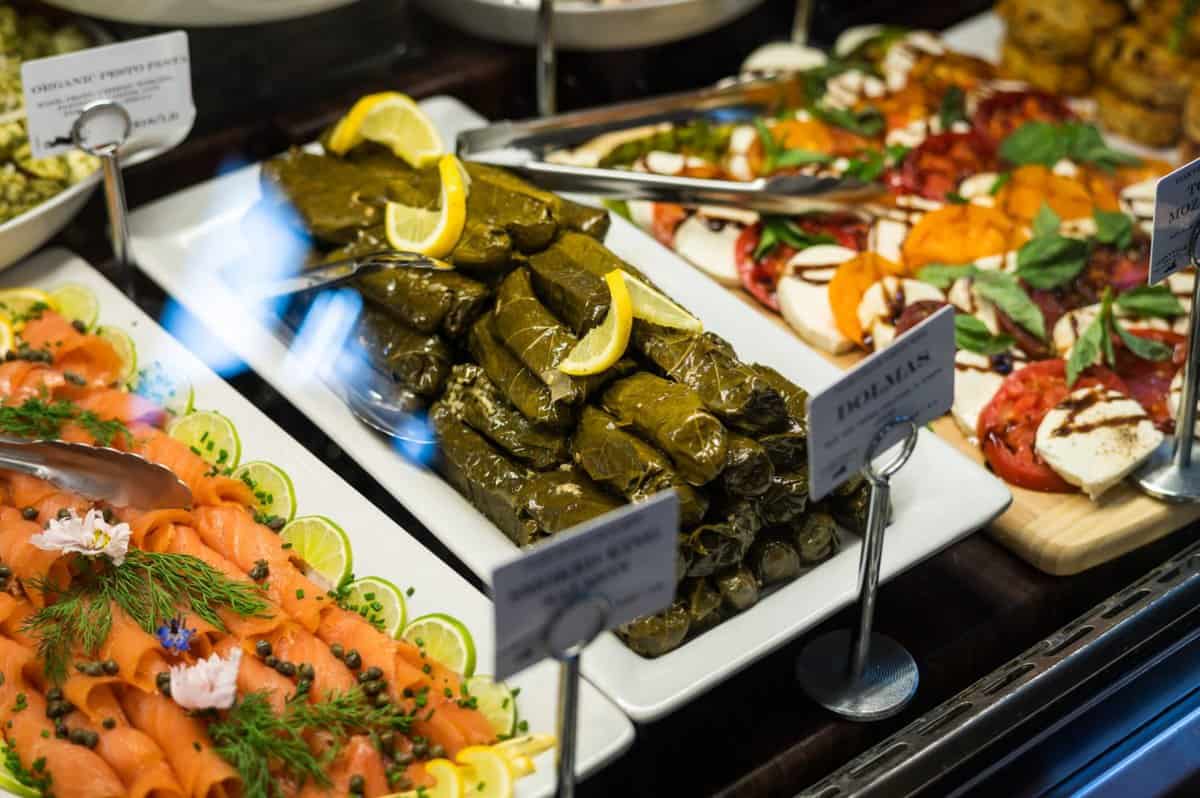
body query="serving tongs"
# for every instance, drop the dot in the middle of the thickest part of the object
(335, 273)
(96, 472)
(523, 146)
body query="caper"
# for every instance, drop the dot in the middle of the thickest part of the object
(109, 515)
(162, 680)
(436, 751)
(382, 700)
(276, 523)
(77, 736)
(271, 661)
(91, 739)
(357, 784)
(262, 648)
(373, 672)
(337, 650)
(353, 660)
(387, 739)
(403, 758)
(110, 667)
(29, 513)
(373, 687)
(303, 685)
(61, 731)
(109, 723)
(307, 671)
(79, 326)
(420, 749)
(54, 694)
(55, 709)
(286, 668)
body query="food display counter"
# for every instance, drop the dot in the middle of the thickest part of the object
(1028, 612)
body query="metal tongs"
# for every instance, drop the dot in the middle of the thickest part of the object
(99, 473)
(522, 147)
(336, 272)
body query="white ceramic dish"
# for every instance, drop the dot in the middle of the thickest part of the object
(202, 13)
(183, 241)
(380, 546)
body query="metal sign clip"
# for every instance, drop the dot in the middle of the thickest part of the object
(102, 127)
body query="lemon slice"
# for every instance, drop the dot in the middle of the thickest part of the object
(7, 336)
(323, 545)
(654, 306)
(77, 303)
(446, 639)
(347, 133)
(210, 435)
(127, 350)
(19, 303)
(427, 232)
(529, 745)
(486, 773)
(604, 344)
(379, 601)
(495, 702)
(274, 493)
(397, 123)
(448, 777)
(521, 766)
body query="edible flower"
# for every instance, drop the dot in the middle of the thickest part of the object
(209, 684)
(89, 536)
(175, 637)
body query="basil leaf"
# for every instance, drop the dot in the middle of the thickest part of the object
(1001, 180)
(953, 108)
(1145, 348)
(1087, 348)
(1106, 343)
(779, 230)
(897, 152)
(786, 158)
(1046, 222)
(954, 198)
(973, 335)
(1005, 292)
(867, 122)
(867, 167)
(1085, 144)
(1114, 227)
(770, 148)
(1034, 142)
(943, 275)
(1151, 300)
(1051, 261)
(766, 242)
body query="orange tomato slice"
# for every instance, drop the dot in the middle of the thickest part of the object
(1070, 197)
(850, 282)
(960, 234)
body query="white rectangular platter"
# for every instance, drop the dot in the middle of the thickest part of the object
(185, 240)
(380, 546)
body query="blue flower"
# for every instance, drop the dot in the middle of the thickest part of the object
(175, 637)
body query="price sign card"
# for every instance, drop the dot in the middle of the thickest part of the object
(913, 377)
(597, 576)
(1176, 212)
(151, 78)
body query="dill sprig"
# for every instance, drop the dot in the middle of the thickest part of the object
(40, 419)
(149, 586)
(262, 745)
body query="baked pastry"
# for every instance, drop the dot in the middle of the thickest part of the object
(1159, 19)
(1153, 127)
(1050, 76)
(1059, 30)
(1136, 65)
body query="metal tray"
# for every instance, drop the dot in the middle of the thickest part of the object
(587, 25)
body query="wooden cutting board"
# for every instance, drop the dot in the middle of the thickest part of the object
(1059, 533)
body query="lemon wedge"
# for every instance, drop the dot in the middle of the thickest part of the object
(486, 773)
(654, 306)
(603, 345)
(521, 766)
(433, 233)
(393, 120)
(527, 745)
(347, 133)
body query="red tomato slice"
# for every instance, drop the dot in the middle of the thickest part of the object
(1003, 112)
(665, 220)
(1149, 381)
(937, 165)
(760, 278)
(1008, 425)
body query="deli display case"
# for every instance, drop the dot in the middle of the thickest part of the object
(526, 323)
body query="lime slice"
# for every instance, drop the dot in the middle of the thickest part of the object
(210, 435)
(653, 306)
(125, 347)
(77, 303)
(379, 601)
(323, 545)
(495, 701)
(398, 123)
(273, 490)
(605, 343)
(19, 303)
(445, 639)
(433, 233)
(10, 783)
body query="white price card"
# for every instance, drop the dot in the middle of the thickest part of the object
(913, 377)
(150, 77)
(1176, 212)
(596, 576)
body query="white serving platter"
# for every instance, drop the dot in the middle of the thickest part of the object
(381, 547)
(185, 240)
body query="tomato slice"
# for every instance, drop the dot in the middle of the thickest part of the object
(665, 220)
(936, 166)
(1149, 381)
(1008, 425)
(1003, 112)
(761, 277)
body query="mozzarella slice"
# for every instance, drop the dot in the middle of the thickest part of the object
(641, 212)
(714, 252)
(977, 185)
(1083, 227)
(1095, 437)
(1006, 262)
(1137, 200)
(1071, 325)
(885, 300)
(975, 383)
(742, 216)
(962, 295)
(783, 57)
(664, 163)
(886, 237)
(805, 306)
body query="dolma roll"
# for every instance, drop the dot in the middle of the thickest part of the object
(560, 499)
(794, 397)
(850, 503)
(785, 499)
(416, 360)
(630, 466)
(704, 604)
(577, 296)
(788, 451)
(738, 587)
(518, 384)
(722, 543)
(817, 538)
(728, 387)
(332, 197)
(593, 222)
(427, 300)
(748, 469)
(478, 402)
(655, 635)
(672, 417)
(773, 560)
(488, 479)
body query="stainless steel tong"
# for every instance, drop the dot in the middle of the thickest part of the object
(336, 272)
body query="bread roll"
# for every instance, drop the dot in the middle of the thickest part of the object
(1052, 76)
(1137, 66)
(1153, 127)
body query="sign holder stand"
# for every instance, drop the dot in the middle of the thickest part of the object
(106, 151)
(547, 60)
(1170, 474)
(879, 677)
(590, 613)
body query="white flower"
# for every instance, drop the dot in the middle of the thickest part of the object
(89, 536)
(209, 684)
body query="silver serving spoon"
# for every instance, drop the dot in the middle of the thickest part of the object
(331, 274)
(377, 401)
(99, 473)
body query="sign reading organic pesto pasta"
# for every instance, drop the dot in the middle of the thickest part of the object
(596, 576)
(913, 377)
(1176, 212)
(150, 78)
